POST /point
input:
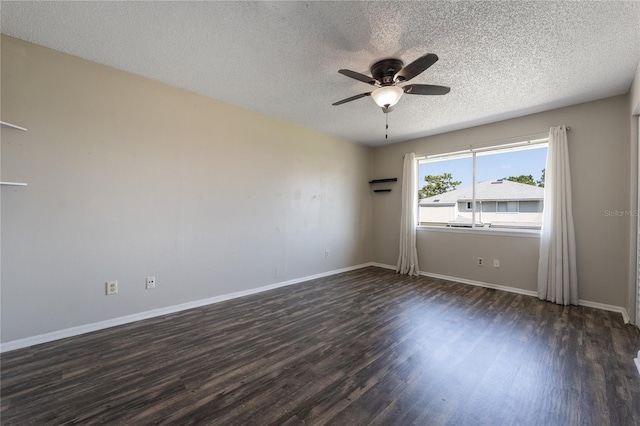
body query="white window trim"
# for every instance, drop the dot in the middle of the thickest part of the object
(499, 232)
(461, 151)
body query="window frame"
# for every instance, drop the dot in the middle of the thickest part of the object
(513, 144)
(507, 211)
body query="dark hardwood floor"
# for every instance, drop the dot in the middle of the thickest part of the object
(359, 348)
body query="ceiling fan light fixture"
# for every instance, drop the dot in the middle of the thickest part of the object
(387, 96)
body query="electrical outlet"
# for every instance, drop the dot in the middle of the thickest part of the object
(112, 287)
(326, 253)
(151, 282)
(496, 263)
(480, 261)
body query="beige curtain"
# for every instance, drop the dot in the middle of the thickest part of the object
(408, 258)
(557, 271)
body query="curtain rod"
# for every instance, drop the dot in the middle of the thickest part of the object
(497, 141)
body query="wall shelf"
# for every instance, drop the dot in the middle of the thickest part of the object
(384, 180)
(13, 183)
(12, 126)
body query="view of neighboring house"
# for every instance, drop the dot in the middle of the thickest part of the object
(499, 204)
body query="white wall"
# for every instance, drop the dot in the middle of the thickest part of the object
(437, 214)
(130, 178)
(598, 149)
(634, 111)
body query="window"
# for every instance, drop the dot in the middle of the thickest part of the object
(507, 207)
(485, 187)
(489, 207)
(530, 206)
(468, 206)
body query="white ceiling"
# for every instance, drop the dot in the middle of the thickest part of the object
(501, 59)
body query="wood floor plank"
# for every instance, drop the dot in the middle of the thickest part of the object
(366, 347)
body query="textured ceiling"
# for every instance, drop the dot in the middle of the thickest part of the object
(501, 59)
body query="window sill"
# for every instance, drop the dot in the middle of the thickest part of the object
(497, 232)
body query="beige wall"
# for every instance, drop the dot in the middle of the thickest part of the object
(455, 253)
(130, 178)
(598, 145)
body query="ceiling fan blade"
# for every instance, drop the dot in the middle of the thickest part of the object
(353, 98)
(425, 89)
(358, 76)
(416, 67)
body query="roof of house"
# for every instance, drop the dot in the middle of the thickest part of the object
(491, 190)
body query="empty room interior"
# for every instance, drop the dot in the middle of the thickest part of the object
(344, 213)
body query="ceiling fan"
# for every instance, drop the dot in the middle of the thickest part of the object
(388, 74)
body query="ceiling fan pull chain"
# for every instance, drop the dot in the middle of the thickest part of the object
(386, 121)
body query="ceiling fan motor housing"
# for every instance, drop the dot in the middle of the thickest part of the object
(384, 71)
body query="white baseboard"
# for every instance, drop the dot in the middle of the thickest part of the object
(481, 284)
(465, 281)
(612, 308)
(101, 325)
(383, 265)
